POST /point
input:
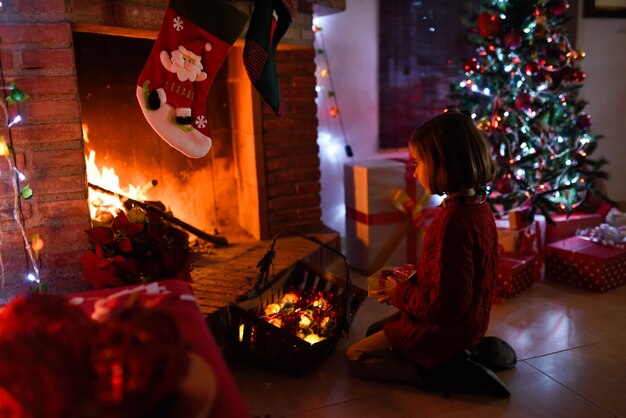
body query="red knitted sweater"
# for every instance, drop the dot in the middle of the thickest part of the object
(445, 309)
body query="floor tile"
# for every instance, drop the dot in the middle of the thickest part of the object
(596, 372)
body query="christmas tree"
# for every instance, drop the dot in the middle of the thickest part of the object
(522, 90)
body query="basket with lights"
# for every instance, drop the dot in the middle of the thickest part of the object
(297, 318)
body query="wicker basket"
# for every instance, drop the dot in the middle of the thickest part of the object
(277, 348)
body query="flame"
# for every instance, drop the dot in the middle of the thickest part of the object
(103, 206)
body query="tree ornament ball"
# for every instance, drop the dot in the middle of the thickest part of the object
(531, 69)
(523, 101)
(578, 76)
(471, 65)
(560, 7)
(513, 39)
(489, 25)
(583, 121)
(504, 185)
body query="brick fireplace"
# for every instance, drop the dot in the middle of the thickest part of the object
(274, 160)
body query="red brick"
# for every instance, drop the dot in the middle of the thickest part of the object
(301, 149)
(53, 110)
(19, 160)
(74, 208)
(308, 188)
(66, 233)
(47, 58)
(291, 176)
(53, 185)
(293, 202)
(61, 158)
(46, 85)
(298, 68)
(37, 33)
(274, 164)
(35, 6)
(7, 60)
(60, 132)
(7, 209)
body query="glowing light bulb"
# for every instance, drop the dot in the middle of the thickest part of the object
(15, 120)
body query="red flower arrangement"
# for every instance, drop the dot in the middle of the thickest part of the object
(136, 248)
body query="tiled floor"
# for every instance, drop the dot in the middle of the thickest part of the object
(572, 349)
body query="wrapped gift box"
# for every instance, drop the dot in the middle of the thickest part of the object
(566, 227)
(580, 262)
(373, 223)
(512, 240)
(520, 217)
(388, 276)
(515, 273)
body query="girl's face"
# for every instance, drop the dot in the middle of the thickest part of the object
(421, 172)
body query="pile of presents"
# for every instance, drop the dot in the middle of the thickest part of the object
(387, 214)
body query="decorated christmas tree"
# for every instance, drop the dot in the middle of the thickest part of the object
(522, 90)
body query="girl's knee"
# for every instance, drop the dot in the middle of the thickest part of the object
(353, 354)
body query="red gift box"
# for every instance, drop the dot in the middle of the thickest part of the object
(566, 227)
(580, 262)
(515, 273)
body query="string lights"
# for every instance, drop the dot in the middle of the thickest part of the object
(331, 103)
(11, 96)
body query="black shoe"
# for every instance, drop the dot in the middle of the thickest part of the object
(462, 374)
(476, 378)
(494, 353)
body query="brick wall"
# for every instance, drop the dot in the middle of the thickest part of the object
(291, 153)
(47, 148)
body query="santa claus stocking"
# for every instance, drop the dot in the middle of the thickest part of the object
(193, 42)
(269, 22)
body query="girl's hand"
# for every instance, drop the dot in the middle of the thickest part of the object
(385, 295)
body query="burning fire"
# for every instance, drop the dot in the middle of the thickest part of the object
(104, 206)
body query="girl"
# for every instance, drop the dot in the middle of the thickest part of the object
(444, 309)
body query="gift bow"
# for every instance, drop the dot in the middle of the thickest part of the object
(415, 210)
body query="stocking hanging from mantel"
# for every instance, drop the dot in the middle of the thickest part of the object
(269, 22)
(192, 44)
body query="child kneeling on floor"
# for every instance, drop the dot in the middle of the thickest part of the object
(444, 309)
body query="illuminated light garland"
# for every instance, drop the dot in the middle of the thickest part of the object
(325, 73)
(34, 246)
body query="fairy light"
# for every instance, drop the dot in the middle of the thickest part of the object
(18, 177)
(15, 121)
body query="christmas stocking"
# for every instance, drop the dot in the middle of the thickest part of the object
(192, 44)
(269, 22)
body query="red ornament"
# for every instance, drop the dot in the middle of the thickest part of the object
(560, 7)
(489, 25)
(503, 185)
(531, 69)
(583, 121)
(523, 101)
(578, 76)
(513, 39)
(471, 65)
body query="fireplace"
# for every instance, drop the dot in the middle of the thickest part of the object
(261, 176)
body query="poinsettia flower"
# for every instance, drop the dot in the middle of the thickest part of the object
(100, 272)
(120, 232)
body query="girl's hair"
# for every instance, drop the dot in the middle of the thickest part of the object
(455, 153)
